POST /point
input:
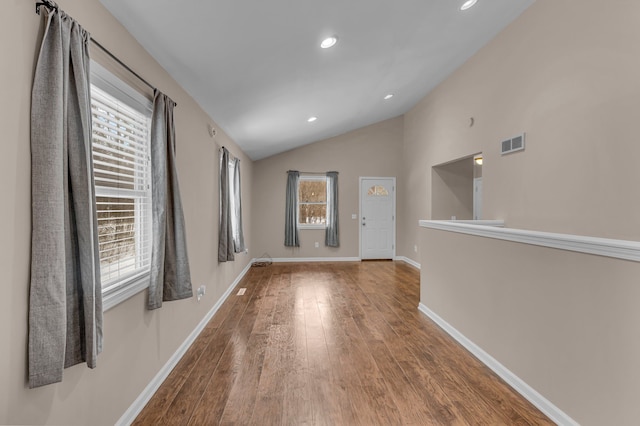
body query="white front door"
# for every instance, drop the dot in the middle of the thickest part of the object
(377, 218)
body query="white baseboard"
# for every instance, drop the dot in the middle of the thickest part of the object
(130, 415)
(409, 261)
(543, 404)
(312, 259)
(332, 259)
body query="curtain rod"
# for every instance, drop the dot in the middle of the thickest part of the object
(125, 66)
(308, 173)
(52, 6)
(223, 148)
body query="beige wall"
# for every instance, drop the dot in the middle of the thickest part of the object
(574, 91)
(566, 323)
(452, 190)
(137, 342)
(371, 151)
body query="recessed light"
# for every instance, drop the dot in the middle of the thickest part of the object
(312, 119)
(467, 4)
(329, 42)
(389, 96)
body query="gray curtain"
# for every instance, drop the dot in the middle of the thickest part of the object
(225, 235)
(238, 235)
(65, 300)
(291, 210)
(170, 276)
(331, 238)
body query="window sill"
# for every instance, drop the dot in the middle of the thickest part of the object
(115, 296)
(309, 226)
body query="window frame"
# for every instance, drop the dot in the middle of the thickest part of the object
(100, 77)
(312, 178)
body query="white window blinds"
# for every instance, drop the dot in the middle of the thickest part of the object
(121, 162)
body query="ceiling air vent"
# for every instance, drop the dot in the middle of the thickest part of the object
(512, 145)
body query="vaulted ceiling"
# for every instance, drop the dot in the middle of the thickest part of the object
(256, 67)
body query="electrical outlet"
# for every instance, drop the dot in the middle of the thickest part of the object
(317, 244)
(415, 248)
(242, 291)
(201, 291)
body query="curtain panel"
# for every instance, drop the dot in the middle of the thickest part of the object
(331, 238)
(291, 210)
(170, 274)
(230, 235)
(236, 224)
(65, 300)
(225, 234)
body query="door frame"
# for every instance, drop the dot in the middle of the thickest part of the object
(477, 199)
(360, 213)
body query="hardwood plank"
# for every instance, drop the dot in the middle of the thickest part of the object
(428, 391)
(278, 359)
(332, 344)
(194, 367)
(404, 405)
(215, 396)
(454, 385)
(297, 392)
(328, 402)
(350, 366)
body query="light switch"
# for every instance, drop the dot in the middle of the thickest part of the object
(354, 216)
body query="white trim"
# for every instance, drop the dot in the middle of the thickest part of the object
(619, 249)
(124, 291)
(312, 226)
(409, 261)
(132, 412)
(331, 259)
(309, 259)
(495, 223)
(543, 404)
(113, 85)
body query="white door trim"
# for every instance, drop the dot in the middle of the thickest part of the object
(477, 198)
(360, 212)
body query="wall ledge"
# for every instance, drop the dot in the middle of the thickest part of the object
(619, 249)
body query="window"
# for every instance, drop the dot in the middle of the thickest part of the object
(231, 203)
(121, 159)
(378, 191)
(312, 202)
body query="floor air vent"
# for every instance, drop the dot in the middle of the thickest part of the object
(512, 145)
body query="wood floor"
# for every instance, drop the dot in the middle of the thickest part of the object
(331, 344)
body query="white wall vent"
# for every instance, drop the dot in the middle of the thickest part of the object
(512, 145)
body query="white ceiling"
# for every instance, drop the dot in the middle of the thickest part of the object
(256, 67)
